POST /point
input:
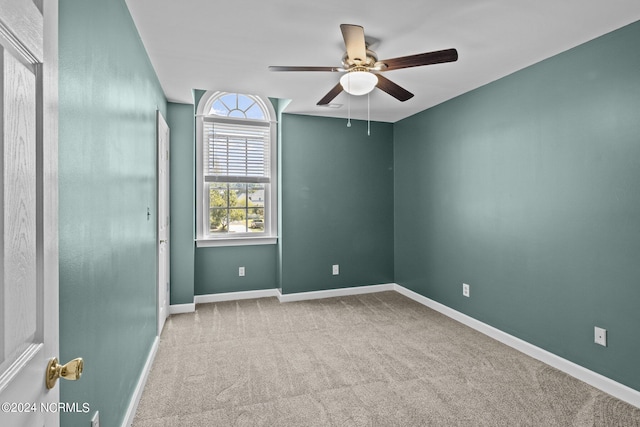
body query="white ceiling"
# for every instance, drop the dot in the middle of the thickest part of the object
(228, 45)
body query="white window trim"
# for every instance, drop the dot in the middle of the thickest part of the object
(271, 201)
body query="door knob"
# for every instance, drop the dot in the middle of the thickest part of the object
(70, 371)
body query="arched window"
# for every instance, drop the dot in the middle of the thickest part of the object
(237, 105)
(236, 170)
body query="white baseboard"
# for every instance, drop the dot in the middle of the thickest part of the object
(232, 296)
(299, 296)
(182, 308)
(137, 393)
(331, 293)
(594, 379)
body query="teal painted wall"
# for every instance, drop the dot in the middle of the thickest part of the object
(527, 189)
(217, 269)
(182, 177)
(107, 169)
(337, 203)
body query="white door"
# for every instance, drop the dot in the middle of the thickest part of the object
(28, 212)
(163, 220)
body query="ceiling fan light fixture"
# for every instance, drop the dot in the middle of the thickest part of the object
(358, 82)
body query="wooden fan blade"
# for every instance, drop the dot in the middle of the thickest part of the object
(393, 89)
(428, 58)
(332, 94)
(354, 42)
(303, 68)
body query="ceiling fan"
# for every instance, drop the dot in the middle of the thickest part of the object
(362, 67)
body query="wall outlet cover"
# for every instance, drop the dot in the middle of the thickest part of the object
(336, 269)
(241, 271)
(600, 336)
(466, 290)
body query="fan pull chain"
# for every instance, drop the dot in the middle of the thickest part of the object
(368, 116)
(349, 101)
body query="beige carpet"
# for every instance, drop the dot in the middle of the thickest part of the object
(369, 360)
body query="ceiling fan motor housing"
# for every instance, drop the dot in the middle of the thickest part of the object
(371, 61)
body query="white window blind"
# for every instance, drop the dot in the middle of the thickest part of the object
(236, 152)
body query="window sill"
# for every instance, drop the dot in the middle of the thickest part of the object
(236, 241)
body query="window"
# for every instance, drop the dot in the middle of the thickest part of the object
(236, 170)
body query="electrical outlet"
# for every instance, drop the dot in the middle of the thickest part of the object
(600, 336)
(95, 420)
(241, 271)
(465, 290)
(336, 269)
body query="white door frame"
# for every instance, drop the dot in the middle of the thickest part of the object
(163, 218)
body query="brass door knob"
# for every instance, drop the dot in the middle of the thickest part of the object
(71, 371)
